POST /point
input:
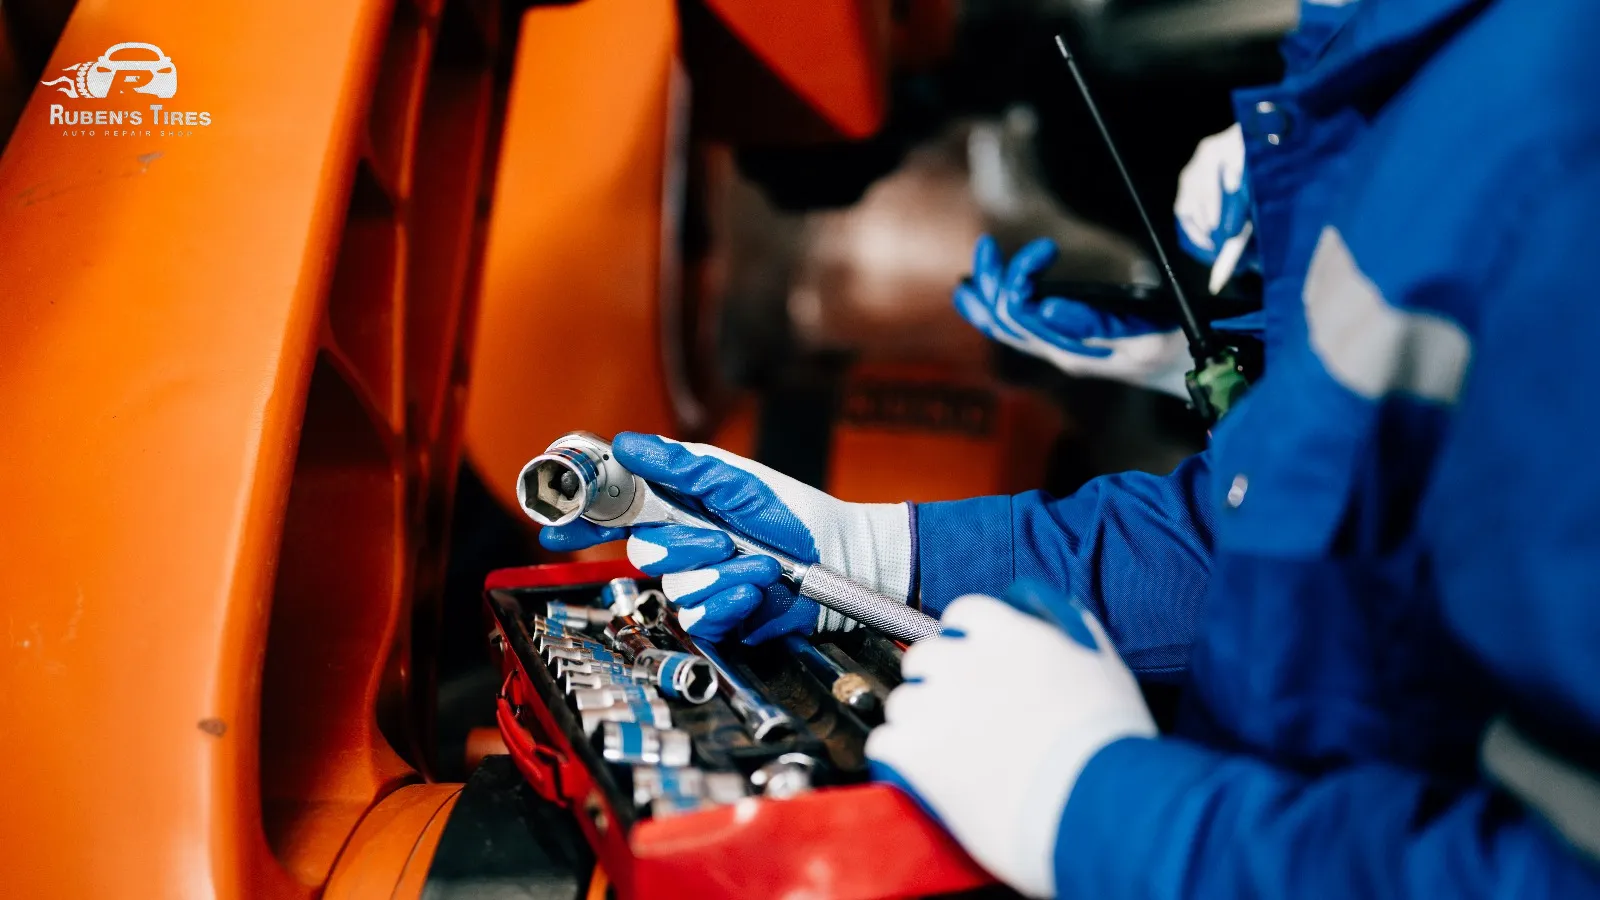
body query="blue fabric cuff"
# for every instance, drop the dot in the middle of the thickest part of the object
(973, 538)
(1122, 815)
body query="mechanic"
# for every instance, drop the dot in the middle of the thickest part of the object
(1384, 565)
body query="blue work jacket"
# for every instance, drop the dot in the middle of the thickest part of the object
(1394, 540)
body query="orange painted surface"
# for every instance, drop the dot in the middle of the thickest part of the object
(925, 433)
(833, 55)
(569, 332)
(222, 443)
(389, 855)
(481, 743)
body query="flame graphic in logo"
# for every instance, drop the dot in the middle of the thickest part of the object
(67, 84)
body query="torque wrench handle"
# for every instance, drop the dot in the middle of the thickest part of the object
(878, 611)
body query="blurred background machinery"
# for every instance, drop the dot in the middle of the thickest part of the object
(247, 369)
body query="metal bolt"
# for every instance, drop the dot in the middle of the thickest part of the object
(597, 811)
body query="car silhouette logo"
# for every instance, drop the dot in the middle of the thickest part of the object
(124, 68)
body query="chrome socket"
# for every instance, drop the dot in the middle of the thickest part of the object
(669, 792)
(678, 675)
(615, 694)
(787, 776)
(631, 742)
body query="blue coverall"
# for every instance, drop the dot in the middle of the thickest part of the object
(1396, 537)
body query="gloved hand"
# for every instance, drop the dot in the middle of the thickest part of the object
(1072, 336)
(1213, 212)
(1213, 207)
(996, 763)
(717, 592)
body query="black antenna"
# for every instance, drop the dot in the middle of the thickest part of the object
(1199, 336)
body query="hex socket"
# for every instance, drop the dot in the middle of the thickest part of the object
(575, 476)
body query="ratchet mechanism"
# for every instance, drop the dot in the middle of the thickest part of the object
(578, 477)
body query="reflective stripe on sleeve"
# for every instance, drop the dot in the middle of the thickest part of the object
(1371, 347)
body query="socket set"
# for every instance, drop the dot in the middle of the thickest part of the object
(624, 665)
(706, 771)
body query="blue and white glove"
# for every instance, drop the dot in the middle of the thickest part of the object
(718, 593)
(1213, 207)
(1213, 212)
(996, 763)
(1072, 336)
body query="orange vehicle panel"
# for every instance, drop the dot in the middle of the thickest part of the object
(923, 432)
(833, 57)
(581, 263)
(389, 854)
(569, 332)
(227, 453)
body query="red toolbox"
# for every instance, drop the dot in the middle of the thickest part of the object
(853, 839)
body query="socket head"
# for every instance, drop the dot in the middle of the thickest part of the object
(575, 476)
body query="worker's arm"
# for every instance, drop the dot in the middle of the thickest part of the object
(1510, 521)
(1134, 548)
(1075, 798)
(1165, 818)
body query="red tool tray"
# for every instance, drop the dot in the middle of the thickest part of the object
(854, 841)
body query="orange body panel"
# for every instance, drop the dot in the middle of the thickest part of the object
(158, 339)
(569, 332)
(924, 433)
(389, 854)
(231, 371)
(581, 261)
(833, 57)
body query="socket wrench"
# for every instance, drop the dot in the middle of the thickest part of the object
(577, 476)
(765, 721)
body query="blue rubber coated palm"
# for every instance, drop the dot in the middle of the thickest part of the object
(999, 301)
(718, 593)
